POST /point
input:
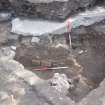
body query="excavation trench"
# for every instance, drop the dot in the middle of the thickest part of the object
(86, 67)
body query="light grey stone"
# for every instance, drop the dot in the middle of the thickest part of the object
(60, 82)
(35, 40)
(28, 27)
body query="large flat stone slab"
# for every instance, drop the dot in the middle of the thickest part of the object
(29, 27)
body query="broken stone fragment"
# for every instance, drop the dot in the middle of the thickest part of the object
(25, 40)
(5, 28)
(22, 87)
(35, 40)
(7, 53)
(13, 48)
(13, 37)
(36, 62)
(49, 9)
(5, 16)
(46, 63)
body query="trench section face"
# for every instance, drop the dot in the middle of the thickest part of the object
(87, 64)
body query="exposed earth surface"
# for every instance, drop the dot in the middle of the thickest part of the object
(46, 69)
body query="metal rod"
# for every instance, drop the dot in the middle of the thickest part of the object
(48, 68)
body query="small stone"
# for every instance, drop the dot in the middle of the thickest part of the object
(36, 62)
(4, 16)
(46, 63)
(35, 40)
(26, 40)
(13, 37)
(49, 9)
(13, 48)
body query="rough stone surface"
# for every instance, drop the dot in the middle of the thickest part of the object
(96, 97)
(7, 53)
(5, 16)
(92, 41)
(18, 87)
(61, 83)
(4, 31)
(53, 9)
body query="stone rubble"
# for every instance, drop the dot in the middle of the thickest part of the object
(61, 83)
(7, 52)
